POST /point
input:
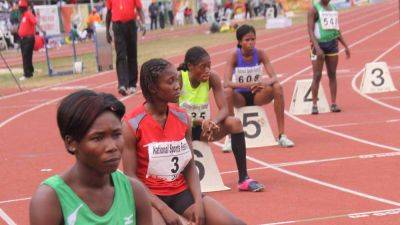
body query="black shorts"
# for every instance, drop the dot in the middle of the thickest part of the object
(196, 133)
(330, 48)
(248, 97)
(179, 202)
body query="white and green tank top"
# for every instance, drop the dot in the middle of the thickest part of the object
(76, 212)
(327, 26)
(195, 100)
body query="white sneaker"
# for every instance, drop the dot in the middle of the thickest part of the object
(122, 91)
(132, 90)
(228, 145)
(22, 78)
(284, 141)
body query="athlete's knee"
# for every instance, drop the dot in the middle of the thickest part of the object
(233, 124)
(332, 75)
(317, 77)
(277, 87)
(228, 92)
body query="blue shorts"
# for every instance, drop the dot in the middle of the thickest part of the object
(330, 48)
(248, 97)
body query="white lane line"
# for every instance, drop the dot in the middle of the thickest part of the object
(55, 100)
(55, 85)
(360, 124)
(285, 164)
(319, 182)
(318, 161)
(356, 89)
(340, 125)
(2, 124)
(378, 213)
(388, 97)
(113, 71)
(325, 184)
(15, 200)
(6, 218)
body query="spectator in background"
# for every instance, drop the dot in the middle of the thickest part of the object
(153, 11)
(93, 18)
(168, 7)
(268, 4)
(202, 14)
(256, 7)
(161, 14)
(188, 15)
(15, 16)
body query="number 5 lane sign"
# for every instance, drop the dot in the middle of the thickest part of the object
(256, 127)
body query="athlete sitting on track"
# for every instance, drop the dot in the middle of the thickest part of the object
(196, 80)
(91, 191)
(248, 86)
(323, 29)
(157, 151)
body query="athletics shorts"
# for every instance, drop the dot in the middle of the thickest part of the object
(330, 48)
(179, 202)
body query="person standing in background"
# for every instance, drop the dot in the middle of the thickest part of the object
(168, 6)
(26, 32)
(123, 14)
(153, 11)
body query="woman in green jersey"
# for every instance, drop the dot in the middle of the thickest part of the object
(196, 80)
(92, 191)
(324, 32)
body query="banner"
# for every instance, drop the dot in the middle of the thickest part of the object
(74, 15)
(49, 18)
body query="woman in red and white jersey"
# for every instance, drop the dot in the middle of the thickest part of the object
(157, 151)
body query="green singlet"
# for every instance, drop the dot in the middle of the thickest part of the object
(76, 212)
(195, 100)
(327, 26)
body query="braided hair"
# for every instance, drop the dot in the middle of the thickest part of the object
(149, 74)
(193, 56)
(242, 31)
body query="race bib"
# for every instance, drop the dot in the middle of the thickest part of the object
(168, 159)
(197, 111)
(329, 20)
(248, 74)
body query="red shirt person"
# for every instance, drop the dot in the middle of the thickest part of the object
(123, 14)
(26, 31)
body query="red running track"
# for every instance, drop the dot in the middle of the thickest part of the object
(343, 169)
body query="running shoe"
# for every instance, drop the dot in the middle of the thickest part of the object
(284, 141)
(335, 108)
(250, 185)
(314, 110)
(132, 90)
(122, 91)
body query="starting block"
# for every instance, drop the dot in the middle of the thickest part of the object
(256, 127)
(376, 78)
(210, 178)
(301, 103)
(278, 22)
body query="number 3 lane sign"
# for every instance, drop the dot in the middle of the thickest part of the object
(376, 78)
(256, 126)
